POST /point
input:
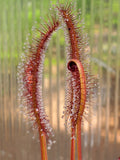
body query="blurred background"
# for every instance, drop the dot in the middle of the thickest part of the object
(101, 137)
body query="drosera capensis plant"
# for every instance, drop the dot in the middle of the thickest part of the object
(79, 85)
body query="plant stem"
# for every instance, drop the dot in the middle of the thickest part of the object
(79, 139)
(73, 143)
(43, 146)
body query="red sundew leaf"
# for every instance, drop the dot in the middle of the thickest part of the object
(32, 78)
(78, 105)
(79, 83)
